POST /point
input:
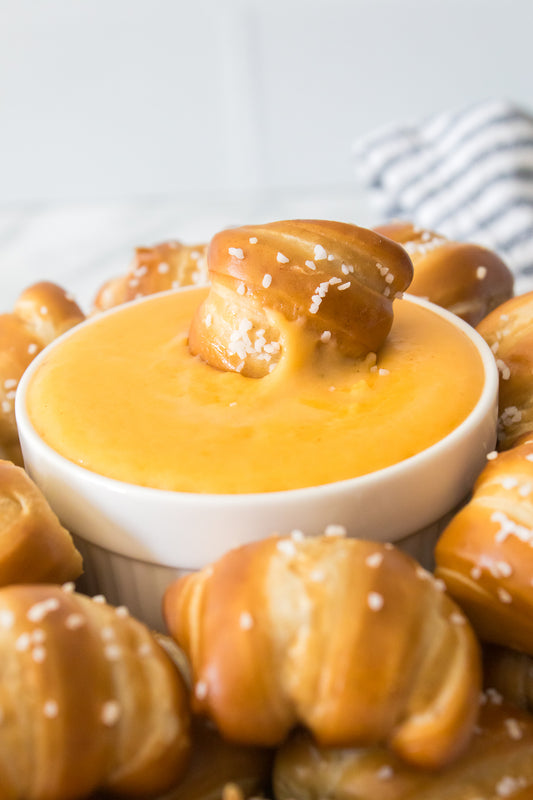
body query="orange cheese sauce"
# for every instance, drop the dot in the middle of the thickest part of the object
(123, 397)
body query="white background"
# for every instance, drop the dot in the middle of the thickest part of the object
(105, 99)
(126, 121)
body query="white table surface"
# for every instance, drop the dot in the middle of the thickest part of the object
(80, 245)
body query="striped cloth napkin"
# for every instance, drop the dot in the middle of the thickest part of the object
(467, 174)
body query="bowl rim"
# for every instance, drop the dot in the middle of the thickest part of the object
(485, 405)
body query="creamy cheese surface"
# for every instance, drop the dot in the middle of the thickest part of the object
(123, 397)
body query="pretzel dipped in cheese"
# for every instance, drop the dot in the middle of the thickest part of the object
(467, 279)
(351, 639)
(168, 265)
(41, 313)
(485, 555)
(34, 546)
(337, 281)
(89, 700)
(497, 764)
(508, 331)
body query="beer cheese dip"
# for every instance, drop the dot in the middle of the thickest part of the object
(123, 397)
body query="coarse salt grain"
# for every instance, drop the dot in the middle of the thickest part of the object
(74, 621)
(492, 455)
(163, 268)
(241, 288)
(253, 239)
(457, 619)
(374, 560)
(38, 654)
(40, 610)
(282, 259)
(110, 713)
(514, 728)
(481, 272)
(320, 253)
(508, 785)
(236, 252)
(51, 709)
(385, 772)
(144, 650)
(375, 601)
(335, 530)
(246, 621)
(310, 264)
(503, 595)
(200, 690)
(325, 336)
(7, 618)
(112, 652)
(503, 369)
(267, 280)
(286, 546)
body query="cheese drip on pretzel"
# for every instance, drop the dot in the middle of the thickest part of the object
(351, 639)
(485, 555)
(88, 700)
(467, 279)
(336, 280)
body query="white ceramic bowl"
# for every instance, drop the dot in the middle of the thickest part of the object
(135, 540)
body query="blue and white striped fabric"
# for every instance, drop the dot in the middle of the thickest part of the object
(467, 174)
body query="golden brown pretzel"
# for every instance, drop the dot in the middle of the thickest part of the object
(465, 278)
(216, 765)
(497, 764)
(508, 330)
(34, 546)
(41, 313)
(88, 699)
(508, 674)
(168, 265)
(339, 281)
(349, 638)
(485, 555)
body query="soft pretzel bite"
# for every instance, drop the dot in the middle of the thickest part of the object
(168, 265)
(47, 311)
(508, 675)
(34, 546)
(467, 279)
(350, 638)
(338, 281)
(89, 700)
(508, 330)
(220, 769)
(497, 764)
(485, 555)
(41, 313)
